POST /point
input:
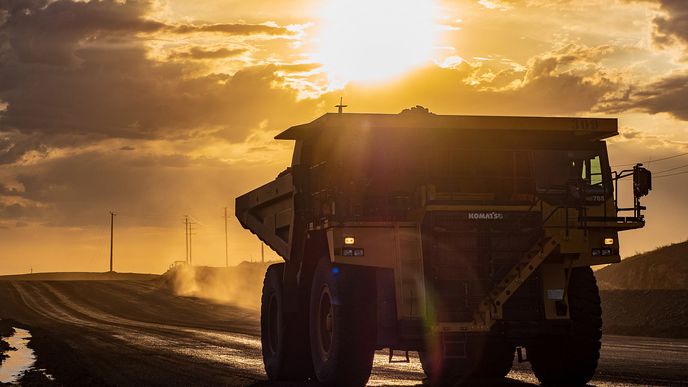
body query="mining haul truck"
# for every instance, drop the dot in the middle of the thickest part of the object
(469, 239)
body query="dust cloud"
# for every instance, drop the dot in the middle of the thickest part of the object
(239, 285)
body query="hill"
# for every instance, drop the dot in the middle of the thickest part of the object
(663, 268)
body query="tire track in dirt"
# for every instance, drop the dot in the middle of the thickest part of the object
(222, 350)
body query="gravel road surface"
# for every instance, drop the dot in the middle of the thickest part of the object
(137, 333)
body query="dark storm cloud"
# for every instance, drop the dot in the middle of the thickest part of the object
(76, 191)
(79, 70)
(145, 189)
(14, 146)
(20, 211)
(49, 32)
(672, 25)
(667, 95)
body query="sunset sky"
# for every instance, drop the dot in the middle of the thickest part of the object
(158, 109)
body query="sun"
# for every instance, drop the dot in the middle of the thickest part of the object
(362, 40)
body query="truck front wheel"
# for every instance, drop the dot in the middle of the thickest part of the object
(571, 360)
(342, 324)
(285, 355)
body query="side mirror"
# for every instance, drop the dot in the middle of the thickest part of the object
(642, 181)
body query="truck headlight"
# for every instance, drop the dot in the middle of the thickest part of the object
(608, 241)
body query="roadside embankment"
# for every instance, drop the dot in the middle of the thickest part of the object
(648, 312)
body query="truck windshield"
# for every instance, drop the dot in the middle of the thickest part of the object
(559, 169)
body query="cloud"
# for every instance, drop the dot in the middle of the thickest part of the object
(49, 32)
(668, 94)
(565, 81)
(671, 26)
(201, 53)
(232, 29)
(150, 188)
(80, 71)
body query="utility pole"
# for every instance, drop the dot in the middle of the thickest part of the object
(262, 252)
(226, 245)
(112, 222)
(186, 237)
(190, 255)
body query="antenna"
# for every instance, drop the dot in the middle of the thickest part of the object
(341, 106)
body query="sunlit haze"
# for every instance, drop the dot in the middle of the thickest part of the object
(376, 40)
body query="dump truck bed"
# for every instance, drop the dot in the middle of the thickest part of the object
(584, 128)
(267, 212)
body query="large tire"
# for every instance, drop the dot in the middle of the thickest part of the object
(487, 358)
(286, 353)
(496, 361)
(342, 324)
(571, 360)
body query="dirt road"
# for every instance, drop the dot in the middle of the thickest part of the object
(137, 333)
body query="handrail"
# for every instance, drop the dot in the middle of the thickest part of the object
(637, 207)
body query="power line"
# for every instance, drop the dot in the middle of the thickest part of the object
(671, 169)
(671, 174)
(196, 221)
(651, 161)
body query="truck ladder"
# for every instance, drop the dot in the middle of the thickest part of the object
(490, 309)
